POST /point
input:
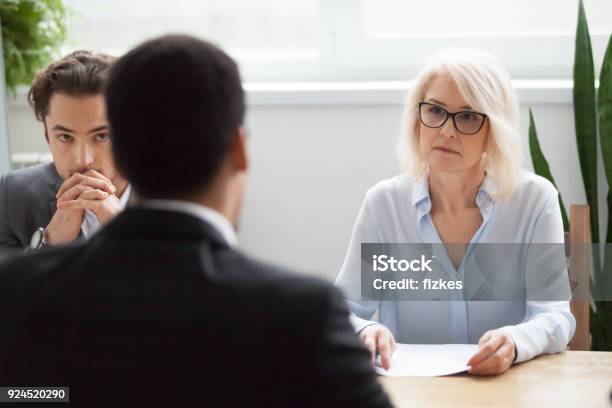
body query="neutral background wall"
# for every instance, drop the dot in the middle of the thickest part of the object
(311, 165)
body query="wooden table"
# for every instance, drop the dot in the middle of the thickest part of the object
(570, 379)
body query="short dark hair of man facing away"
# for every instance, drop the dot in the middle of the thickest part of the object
(170, 136)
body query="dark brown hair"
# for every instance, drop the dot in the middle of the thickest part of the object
(79, 73)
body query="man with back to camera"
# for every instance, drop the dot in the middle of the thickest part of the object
(67, 97)
(160, 308)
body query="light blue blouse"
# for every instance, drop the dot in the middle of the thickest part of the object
(397, 210)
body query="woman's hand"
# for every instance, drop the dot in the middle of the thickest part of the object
(378, 339)
(496, 352)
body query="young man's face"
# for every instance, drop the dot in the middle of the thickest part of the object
(79, 135)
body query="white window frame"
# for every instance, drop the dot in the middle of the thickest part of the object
(346, 53)
(525, 57)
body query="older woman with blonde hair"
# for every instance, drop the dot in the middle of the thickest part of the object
(463, 186)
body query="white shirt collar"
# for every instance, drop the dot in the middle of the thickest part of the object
(91, 224)
(422, 201)
(209, 215)
(420, 189)
(125, 196)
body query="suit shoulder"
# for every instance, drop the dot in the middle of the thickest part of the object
(32, 173)
(31, 179)
(29, 266)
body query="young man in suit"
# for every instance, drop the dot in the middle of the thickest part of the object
(67, 97)
(160, 308)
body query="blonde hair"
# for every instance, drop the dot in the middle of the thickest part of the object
(486, 86)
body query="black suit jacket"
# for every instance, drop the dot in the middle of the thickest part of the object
(157, 310)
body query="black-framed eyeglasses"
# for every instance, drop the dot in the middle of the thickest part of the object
(466, 122)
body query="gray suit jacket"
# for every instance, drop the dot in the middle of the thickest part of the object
(27, 202)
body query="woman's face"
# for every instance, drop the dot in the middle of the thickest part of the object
(446, 149)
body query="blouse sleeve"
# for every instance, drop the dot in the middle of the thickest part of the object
(549, 324)
(349, 278)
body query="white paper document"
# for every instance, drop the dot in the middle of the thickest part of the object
(428, 360)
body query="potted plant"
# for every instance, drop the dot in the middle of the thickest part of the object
(32, 33)
(593, 118)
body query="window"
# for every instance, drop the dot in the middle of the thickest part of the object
(259, 34)
(352, 40)
(533, 39)
(478, 18)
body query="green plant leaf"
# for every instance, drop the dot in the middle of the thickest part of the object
(540, 164)
(32, 33)
(604, 107)
(585, 116)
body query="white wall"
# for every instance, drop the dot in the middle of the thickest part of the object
(312, 163)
